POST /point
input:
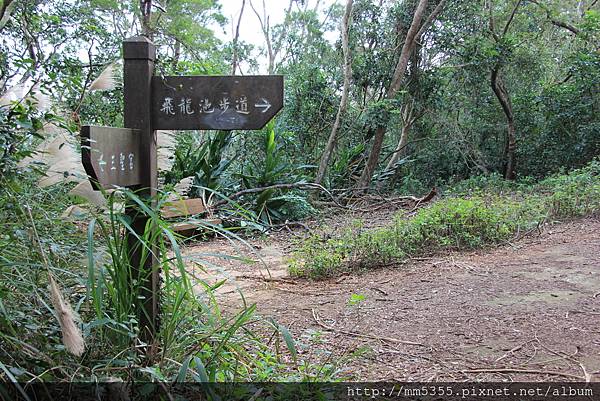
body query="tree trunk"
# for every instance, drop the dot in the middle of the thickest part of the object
(409, 43)
(146, 11)
(401, 148)
(5, 12)
(176, 54)
(511, 144)
(235, 62)
(332, 140)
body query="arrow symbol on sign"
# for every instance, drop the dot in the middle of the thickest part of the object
(264, 105)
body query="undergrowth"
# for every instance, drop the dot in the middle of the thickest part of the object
(197, 341)
(478, 212)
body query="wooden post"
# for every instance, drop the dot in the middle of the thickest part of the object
(139, 55)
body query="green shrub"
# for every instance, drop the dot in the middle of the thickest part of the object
(574, 194)
(321, 257)
(494, 212)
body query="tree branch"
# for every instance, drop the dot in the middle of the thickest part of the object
(431, 18)
(5, 11)
(234, 62)
(512, 16)
(297, 185)
(556, 22)
(332, 140)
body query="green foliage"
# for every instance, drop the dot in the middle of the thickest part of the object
(487, 215)
(22, 127)
(356, 299)
(272, 168)
(348, 163)
(318, 256)
(205, 161)
(269, 169)
(198, 341)
(19, 126)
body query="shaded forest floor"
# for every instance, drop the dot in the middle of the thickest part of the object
(529, 310)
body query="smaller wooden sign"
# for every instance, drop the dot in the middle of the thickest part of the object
(110, 156)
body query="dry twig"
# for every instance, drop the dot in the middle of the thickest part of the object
(370, 336)
(526, 371)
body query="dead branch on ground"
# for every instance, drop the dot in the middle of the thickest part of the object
(369, 336)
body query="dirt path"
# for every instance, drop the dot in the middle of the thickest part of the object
(528, 311)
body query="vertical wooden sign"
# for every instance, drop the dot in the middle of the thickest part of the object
(139, 55)
(126, 157)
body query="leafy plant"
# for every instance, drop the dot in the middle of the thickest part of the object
(20, 125)
(485, 214)
(356, 299)
(348, 163)
(206, 161)
(197, 341)
(272, 169)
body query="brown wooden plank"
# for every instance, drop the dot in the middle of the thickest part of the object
(216, 102)
(187, 226)
(111, 156)
(182, 208)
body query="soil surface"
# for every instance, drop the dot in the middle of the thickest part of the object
(527, 311)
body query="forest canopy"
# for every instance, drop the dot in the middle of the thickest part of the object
(506, 87)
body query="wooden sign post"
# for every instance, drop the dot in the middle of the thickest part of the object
(126, 157)
(139, 55)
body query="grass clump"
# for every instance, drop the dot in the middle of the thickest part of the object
(197, 340)
(475, 214)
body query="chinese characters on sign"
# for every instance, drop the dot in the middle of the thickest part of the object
(126, 162)
(109, 156)
(215, 102)
(187, 106)
(119, 157)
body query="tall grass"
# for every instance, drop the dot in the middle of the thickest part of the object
(193, 330)
(197, 341)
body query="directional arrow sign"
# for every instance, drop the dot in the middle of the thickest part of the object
(215, 102)
(265, 105)
(110, 156)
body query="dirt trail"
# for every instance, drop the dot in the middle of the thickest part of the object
(525, 311)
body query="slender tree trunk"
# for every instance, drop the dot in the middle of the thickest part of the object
(265, 26)
(408, 114)
(511, 144)
(235, 62)
(504, 98)
(146, 10)
(5, 12)
(409, 43)
(401, 152)
(581, 8)
(332, 140)
(401, 148)
(176, 54)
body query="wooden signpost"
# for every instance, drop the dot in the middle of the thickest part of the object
(126, 157)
